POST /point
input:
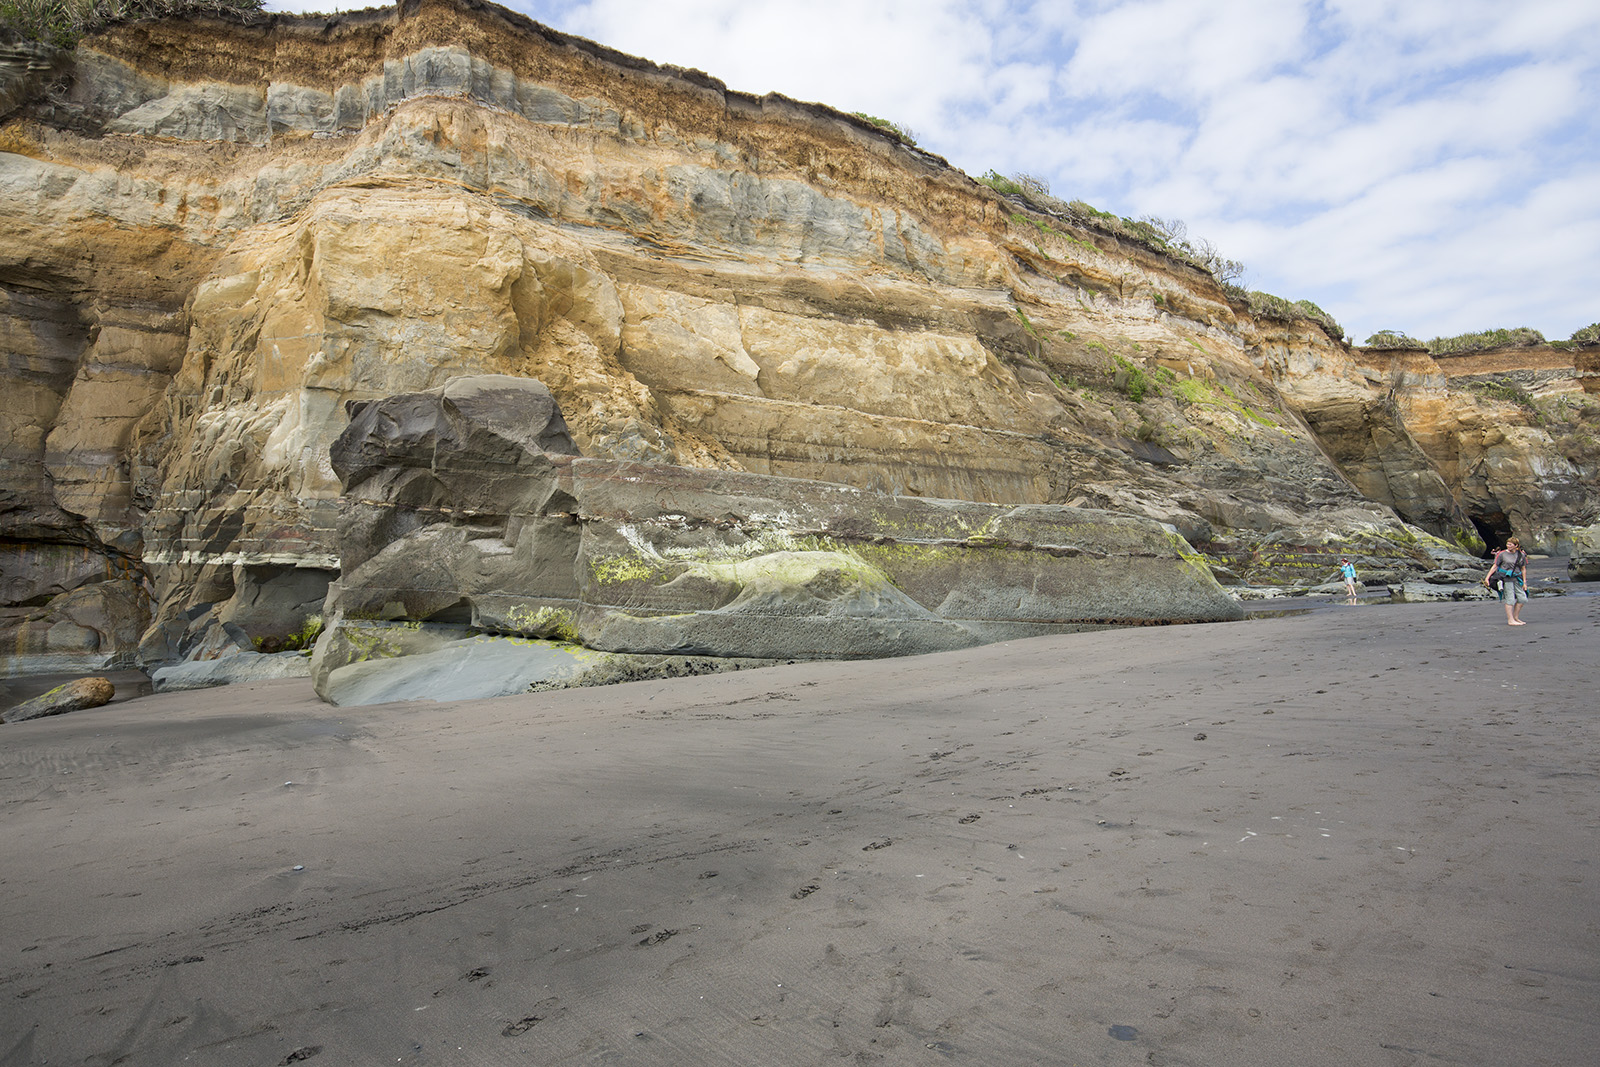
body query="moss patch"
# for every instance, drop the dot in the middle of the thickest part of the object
(544, 622)
(792, 569)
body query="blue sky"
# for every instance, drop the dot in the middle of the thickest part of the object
(1431, 167)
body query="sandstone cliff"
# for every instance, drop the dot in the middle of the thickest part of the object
(218, 234)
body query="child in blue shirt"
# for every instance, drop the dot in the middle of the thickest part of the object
(1348, 571)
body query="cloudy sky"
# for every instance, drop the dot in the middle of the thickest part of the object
(1430, 166)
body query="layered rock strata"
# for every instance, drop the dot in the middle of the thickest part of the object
(219, 234)
(1508, 437)
(465, 506)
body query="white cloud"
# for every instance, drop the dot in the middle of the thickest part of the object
(1417, 164)
(1179, 48)
(901, 59)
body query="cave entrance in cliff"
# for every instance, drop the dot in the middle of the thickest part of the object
(1494, 528)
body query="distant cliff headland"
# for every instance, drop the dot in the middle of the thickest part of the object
(221, 231)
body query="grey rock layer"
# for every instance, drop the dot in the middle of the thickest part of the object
(231, 670)
(459, 517)
(1427, 592)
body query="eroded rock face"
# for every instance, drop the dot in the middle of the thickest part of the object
(91, 626)
(1584, 564)
(1509, 433)
(455, 514)
(218, 235)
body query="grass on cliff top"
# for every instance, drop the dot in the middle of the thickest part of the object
(1483, 340)
(64, 22)
(1520, 337)
(1394, 339)
(894, 129)
(1267, 306)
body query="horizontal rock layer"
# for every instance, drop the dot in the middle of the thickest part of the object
(454, 513)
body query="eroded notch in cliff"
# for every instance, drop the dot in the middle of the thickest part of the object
(1494, 527)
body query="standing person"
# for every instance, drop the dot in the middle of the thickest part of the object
(1511, 564)
(1348, 571)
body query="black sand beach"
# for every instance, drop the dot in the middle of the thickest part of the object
(1358, 836)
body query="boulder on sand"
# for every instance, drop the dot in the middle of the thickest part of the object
(73, 696)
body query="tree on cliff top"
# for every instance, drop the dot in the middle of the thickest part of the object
(63, 22)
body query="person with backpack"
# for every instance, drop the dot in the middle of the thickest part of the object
(1508, 575)
(1347, 571)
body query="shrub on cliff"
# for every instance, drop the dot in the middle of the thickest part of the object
(894, 129)
(1169, 237)
(1394, 339)
(1317, 315)
(1000, 183)
(1035, 192)
(1483, 340)
(1133, 381)
(1589, 335)
(63, 22)
(1267, 306)
(1504, 389)
(1173, 235)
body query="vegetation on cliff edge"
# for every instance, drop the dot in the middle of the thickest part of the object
(894, 129)
(1520, 337)
(1168, 236)
(63, 22)
(1267, 306)
(1395, 339)
(1483, 340)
